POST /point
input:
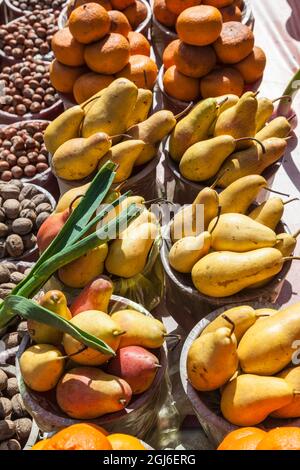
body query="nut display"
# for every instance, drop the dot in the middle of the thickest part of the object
(29, 36)
(22, 152)
(20, 219)
(32, 5)
(27, 88)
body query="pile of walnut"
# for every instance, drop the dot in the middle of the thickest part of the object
(10, 275)
(15, 423)
(23, 209)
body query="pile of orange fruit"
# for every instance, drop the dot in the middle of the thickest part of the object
(284, 438)
(97, 46)
(87, 436)
(211, 57)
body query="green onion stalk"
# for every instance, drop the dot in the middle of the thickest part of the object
(71, 242)
(290, 91)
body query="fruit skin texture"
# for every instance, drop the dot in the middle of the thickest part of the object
(168, 55)
(125, 442)
(138, 44)
(221, 274)
(212, 360)
(67, 198)
(89, 23)
(81, 436)
(243, 317)
(231, 13)
(222, 81)
(278, 127)
(55, 301)
(98, 324)
(192, 128)
(292, 410)
(82, 270)
(239, 233)
(127, 256)
(111, 113)
(180, 86)
(267, 348)
(185, 253)
(285, 438)
(66, 49)
(239, 195)
(264, 112)
(88, 84)
(253, 66)
(141, 70)
(119, 23)
(41, 367)
(242, 439)
(268, 213)
(50, 229)
(163, 15)
(194, 61)
(124, 155)
(40, 445)
(141, 109)
(63, 77)
(249, 399)
(78, 158)
(95, 296)
(136, 366)
(87, 393)
(141, 330)
(235, 42)
(200, 25)
(178, 6)
(109, 55)
(136, 13)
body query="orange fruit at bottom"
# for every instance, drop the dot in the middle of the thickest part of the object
(231, 13)
(139, 45)
(66, 49)
(222, 81)
(81, 436)
(163, 15)
(169, 52)
(253, 66)
(194, 61)
(40, 445)
(180, 86)
(242, 439)
(88, 84)
(285, 438)
(217, 3)
(125, 442)
(141, 70)
(63, 77)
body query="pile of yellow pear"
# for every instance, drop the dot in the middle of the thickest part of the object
(250, 356)
(125, 256)
(228, 137)
(236, 247)
(113, 125)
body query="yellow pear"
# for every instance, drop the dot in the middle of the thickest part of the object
(239, 120)
(286, 243)
(292, 410)
(56, 302)
(212, 360)
(265, 312)
(124, 155)
(240, 194)
(269, 213)
(41, 367)
(242, 317)
(265, 109)
(238, 232)
(111, 112)
(249, 399)
(67, 198)
(224, 102)
(185, 253)
(193, 128)
(128, 255)
(78, 158)
(140, 329)
(279, 127)
(96, 323)
(82, 270)
(268, 347)
(141, 109)
(195, 218)
(113, 212)
(65, 127)
(152, 131)
(224, 273)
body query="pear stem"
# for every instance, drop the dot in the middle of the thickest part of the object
(261, 315)
(291, 258)
(171, 335)
(120, 186)
(117, 333)
(218, 179)
(255, 94)
(283, 97)
(90, 101)
(223, 101)
(255, 140)
(189, 106)
(291, 200)
(276, 192)
(292, 117)
(230, 322)
(122, 401)
(217, 221)
(74, 200)
(296, 234)
(120, 135)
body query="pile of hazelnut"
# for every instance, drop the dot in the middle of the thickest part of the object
(29, 36)
(26, 88)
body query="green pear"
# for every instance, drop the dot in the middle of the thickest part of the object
(185, 253)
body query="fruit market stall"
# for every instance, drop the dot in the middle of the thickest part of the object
(124, 324)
